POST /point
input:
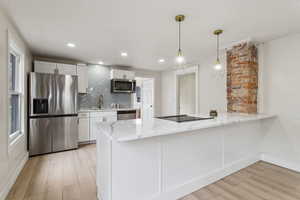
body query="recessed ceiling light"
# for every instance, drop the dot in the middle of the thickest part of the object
(71, 45)
(161, 60)
(100, 62)
(124, 54)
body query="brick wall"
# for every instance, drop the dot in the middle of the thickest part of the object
(242, 78)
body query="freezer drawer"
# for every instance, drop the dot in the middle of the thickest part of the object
(40, 136)
(65, 135)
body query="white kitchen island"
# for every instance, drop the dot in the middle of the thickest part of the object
(163, 160)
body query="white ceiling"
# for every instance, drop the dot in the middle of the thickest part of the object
(146, 29)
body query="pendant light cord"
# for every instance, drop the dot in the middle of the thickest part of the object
(179, 36)
(218, 59)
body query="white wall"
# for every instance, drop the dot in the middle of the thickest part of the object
(11, 160)
(157, 87)
(281, 95)
(212, 88)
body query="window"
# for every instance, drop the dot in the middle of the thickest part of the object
(15, 92)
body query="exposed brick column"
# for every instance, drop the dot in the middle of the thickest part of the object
(242, 78)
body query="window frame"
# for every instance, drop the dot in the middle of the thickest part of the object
(18, 90)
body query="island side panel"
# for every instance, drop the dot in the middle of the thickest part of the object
(104, 145)
(169, 167)
(136, 169)
(192, 160)
(189, 156)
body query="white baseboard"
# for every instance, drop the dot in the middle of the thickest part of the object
(281, 162)
(13, 177)
(199, 182)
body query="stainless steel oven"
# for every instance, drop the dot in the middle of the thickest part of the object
(123, 86)
(126, 114)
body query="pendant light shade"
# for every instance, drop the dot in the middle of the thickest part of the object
(180, 58)
(218, 66)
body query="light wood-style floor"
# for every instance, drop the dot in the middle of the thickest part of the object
(71, 175)
(260, 181)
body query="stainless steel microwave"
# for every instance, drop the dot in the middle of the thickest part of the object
(123, 86)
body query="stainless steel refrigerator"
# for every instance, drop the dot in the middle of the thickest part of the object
(53, 117)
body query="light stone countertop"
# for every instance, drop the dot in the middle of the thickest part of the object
(106, 110)
(130, 130)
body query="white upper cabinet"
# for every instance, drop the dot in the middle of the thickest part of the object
(51, 67)
(45, 67)
(67, 69)
(82, 73)
(122, 74)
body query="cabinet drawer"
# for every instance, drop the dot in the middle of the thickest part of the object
(83, 115)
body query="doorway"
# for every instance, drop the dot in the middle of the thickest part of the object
(187, 91)
(144, 97)
(186, 94)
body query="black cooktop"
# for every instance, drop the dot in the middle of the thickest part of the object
(184, 118)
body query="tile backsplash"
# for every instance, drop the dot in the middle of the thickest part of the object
(99, 83)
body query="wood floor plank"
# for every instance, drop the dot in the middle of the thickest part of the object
(205, 194)
(190, 197)
(239, 191)
(214, 188)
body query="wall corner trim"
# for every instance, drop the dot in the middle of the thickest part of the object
(13, 177)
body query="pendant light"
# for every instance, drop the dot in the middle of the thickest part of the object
(218, 65)
(180, 58)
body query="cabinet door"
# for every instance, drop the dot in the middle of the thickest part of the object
(130, 75)
(67, 69)
(84, 130)
(122, 74)
(94, 127)
(44, 67)
(82, 73)
(116, 74)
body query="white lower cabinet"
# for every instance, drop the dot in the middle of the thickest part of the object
(89, 127)
(84, 127)
(84, 130)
